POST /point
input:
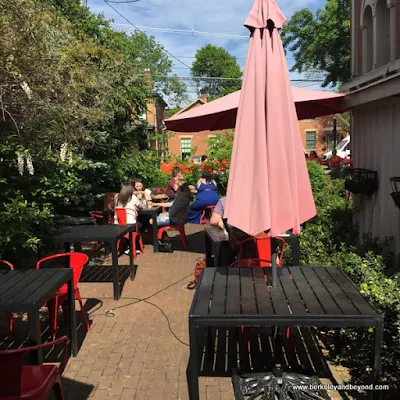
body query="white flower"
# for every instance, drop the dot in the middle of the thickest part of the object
(29, 165)
(21, 163)
(70, 158)
(25, 87)
(63, 151)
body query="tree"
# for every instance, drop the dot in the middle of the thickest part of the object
(216, 62)
(141, 51)
(321, 43)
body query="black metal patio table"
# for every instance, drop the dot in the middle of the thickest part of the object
(26, 291)
(216, 239)
(153, 212)
(304, 296)
(99, 233)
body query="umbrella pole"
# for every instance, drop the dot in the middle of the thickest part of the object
(274, 270)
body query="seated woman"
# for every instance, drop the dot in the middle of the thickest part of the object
(313, 157)
(178, 213)
(206, 196)
(140, 191)
(143, 195)
(126, 199)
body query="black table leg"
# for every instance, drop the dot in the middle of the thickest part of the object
(35, 336)
(296, 250)
(155, 232)
(72, 317)
(115, 268)
(217, 253)
(277, 348)
(377, 359)
(131, 261)
(208, 251)
(193, 367)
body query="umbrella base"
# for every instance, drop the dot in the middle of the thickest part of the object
(266, 386)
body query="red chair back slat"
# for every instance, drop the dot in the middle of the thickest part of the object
(76, 261)
(122, 216)
(8, 264)
(97, 215)
(260, 247)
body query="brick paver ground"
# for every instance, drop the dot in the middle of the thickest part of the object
(131, 353)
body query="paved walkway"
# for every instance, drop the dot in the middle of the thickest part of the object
(130, 353)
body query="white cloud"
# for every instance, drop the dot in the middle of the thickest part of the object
(222, 16)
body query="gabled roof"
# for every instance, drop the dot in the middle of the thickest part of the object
(189, 106)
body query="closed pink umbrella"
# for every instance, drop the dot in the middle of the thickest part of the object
(269, 187)
(222, 113)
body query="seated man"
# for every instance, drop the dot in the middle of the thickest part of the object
(173, 183)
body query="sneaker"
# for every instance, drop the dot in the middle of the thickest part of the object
(138, 252)
(127, 252)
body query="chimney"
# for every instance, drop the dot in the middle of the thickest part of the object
(204, 98)
(147, 76)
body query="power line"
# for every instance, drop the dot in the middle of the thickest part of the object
(129, 22)
(123, 1)
(187, 31)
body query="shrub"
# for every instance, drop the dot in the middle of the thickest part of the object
(331, 239)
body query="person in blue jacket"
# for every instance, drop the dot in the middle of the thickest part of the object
(206, 196)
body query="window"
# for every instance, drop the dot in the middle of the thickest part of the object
(186, 147)
(311, 139)
(367, 40)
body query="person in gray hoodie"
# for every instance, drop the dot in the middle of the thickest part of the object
(178, 213)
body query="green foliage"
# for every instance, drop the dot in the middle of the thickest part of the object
(143, 164)
(70, 88)
(220, 146)
(321, 42)
(219, 156)
(331, 239)
(215, 61)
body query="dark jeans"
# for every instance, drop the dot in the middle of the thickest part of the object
(144, 222)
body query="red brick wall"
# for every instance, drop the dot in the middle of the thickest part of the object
(198, 141)
(198, 138)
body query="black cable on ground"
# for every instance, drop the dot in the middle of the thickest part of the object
(110, 313)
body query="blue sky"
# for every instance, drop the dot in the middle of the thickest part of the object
(217, 16)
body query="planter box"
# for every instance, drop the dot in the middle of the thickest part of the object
(361, 181)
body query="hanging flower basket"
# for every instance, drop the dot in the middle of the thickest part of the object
(395, 181)
(361, 181)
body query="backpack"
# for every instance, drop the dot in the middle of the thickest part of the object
(197, 269)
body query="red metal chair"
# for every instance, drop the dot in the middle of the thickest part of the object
(262, 249)
(250, 262)
(76, 261)
(255, 262)
(122, 220)
(33, 382)
(179, 228)
(9, 315)
(206, 215)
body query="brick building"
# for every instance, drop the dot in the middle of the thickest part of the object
(374, 95)
(316, 135)
(190, 144)
(153, 116)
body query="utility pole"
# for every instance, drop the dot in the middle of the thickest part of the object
(334, 133)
